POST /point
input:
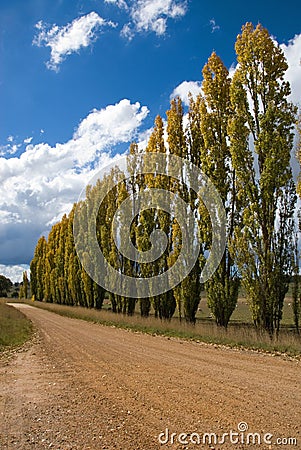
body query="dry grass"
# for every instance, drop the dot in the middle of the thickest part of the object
(15, 328)
(238, 334)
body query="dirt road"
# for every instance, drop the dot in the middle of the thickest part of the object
(86, 386)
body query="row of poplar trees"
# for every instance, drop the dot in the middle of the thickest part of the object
(240, 133)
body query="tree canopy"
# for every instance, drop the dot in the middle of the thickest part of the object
(240, 132)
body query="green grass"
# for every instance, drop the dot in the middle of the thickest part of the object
(241, 314)
(238, 335)
(15, 328)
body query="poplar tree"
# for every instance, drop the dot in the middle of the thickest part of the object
(215, 111)
(72, 291)
(106, 239)
(60, 260)
(296, 277)
(37, 270)
(186, 293)
(25, 284)
(21, 292)
(52, 291)
(299, 156)
(296, 304)
(151, 219)
(94, 292)
(126, 267)
(261, 143)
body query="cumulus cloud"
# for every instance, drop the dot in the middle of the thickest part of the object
(150, 15)
(119, 3)
(185, 88)
(14, 273)
(127, 32)
(8, 149)
(11, 148)
(42, 184)
(69, 38)
(292, 52)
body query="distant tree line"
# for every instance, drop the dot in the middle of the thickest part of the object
(15, 290)
(24, 286)
(5, 286)
(240, 133)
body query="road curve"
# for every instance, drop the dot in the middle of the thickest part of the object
(87, 386)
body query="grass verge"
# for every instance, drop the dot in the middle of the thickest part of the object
(15, 328)
(236, 336)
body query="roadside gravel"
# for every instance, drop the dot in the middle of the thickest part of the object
(85, 386)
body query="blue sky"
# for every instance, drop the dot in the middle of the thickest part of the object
(79, 80)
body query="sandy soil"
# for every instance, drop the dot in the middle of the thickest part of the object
(86, 386)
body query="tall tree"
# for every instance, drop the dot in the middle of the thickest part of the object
(5, 285)
(154, 219)
(186, 293)
(37, 270)
(215, 111)
(261, 143)
(25, 284)
(296, 284)
(296, 287)
(299, 155)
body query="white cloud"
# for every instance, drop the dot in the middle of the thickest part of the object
(14, 273)
(150, 15)
(292, 53)
(213, 25)
(144, 138)
(28, 140)
(9, 149)
(127, 32)
(186, 87)
(119, 3)
(69, 38)
(42, 184)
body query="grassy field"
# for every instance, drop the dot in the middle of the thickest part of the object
(240, 334)
(15, 329)
(242, 313)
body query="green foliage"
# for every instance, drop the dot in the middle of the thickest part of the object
(25, 284)
(299, 153)
(261, 142)
(239, 132)
(187, 293)
(15, 328)
(296, 289)
(56, 273)
(5, 285)
(215, 113)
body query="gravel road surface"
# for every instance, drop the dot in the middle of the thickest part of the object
(85, 386)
